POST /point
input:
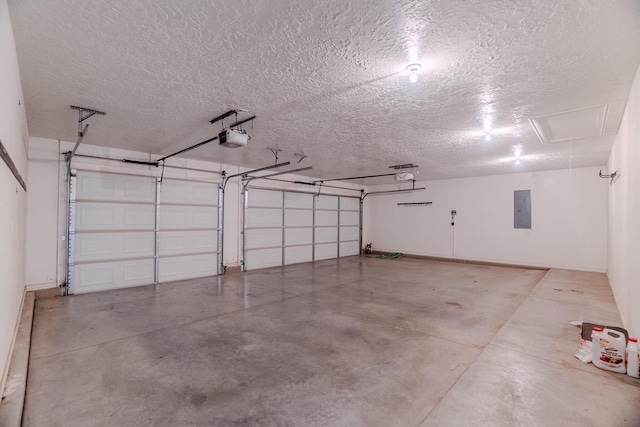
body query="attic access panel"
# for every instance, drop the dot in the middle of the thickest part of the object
(568, 125)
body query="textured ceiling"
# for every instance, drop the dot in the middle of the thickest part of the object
(327, 78)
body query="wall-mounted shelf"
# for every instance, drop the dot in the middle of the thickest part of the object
(415, 204)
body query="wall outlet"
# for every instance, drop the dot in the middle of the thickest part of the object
(454, 212)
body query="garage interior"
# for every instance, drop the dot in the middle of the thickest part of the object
(281, 213)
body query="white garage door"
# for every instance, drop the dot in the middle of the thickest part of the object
(282, 227)
(116, 229)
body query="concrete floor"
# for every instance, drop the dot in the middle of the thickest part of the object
(350, 342)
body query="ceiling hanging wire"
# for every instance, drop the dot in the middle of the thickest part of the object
(570, 152)
(301, 156)
(162, 173)
(275, 152)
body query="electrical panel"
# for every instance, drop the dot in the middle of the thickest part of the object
(522, 209)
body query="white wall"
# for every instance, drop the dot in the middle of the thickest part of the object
(47, 205)
(42, 216)
(569, 217)
(624, 213)
(14, 136)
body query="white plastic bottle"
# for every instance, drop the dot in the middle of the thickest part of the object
(632, 358)
(596, 333)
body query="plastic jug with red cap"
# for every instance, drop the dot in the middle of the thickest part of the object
(609, 349)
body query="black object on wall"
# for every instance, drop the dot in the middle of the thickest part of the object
(7, 159)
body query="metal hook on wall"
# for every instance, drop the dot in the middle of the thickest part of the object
(614, 176)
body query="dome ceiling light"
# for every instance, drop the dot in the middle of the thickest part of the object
(413, 69)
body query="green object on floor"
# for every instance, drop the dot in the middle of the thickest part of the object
(392, 255)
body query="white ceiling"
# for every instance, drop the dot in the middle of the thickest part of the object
(326, 78)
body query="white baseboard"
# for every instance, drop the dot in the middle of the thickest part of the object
(5, 372)
(41, 286)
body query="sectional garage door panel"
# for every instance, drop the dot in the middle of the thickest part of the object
(326, 235)
(264, 217)
(115, 238)
(350, 204)
(189, 192)
(298, 200)
(349, 218)
(297, 254)
(113, 246)
(187, 267)
(94, 216)
(91, 277)
(349, 248)
(326, 251)
(298, 236)
(115, 187)
(264, 238)
(349, 234)
(173, 217)
(188, 230)
(298, 218)
(263, 229)
(265, 198)
(325, 218)
(263, 258)
(327, 202)
(188, 242)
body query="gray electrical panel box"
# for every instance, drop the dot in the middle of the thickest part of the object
(522, 209)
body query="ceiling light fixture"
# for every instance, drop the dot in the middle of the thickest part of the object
(413, 69)
(407, 176)
(487, 135)
(517, 151)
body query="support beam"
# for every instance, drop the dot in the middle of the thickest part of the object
(354, 177)
(393, 191)
(277, 165)
(71, 153)
(249, 179)
(84, 114)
